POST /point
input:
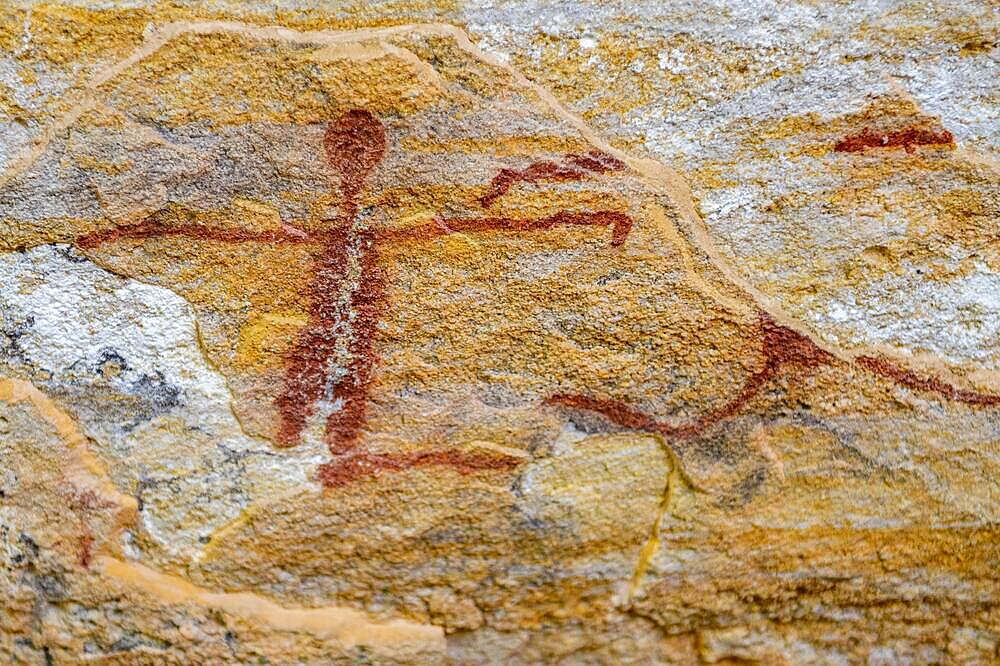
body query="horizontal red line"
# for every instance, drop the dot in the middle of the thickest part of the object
(621, 225)
(905, 138)
(146, 230)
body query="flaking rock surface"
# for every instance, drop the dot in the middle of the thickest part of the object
(499, 333)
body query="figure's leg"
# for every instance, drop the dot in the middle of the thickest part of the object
(308, 361)
(343, 427)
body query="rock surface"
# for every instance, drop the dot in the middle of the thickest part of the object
(500, 333)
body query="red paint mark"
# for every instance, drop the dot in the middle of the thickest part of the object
(914, 381)
(343, 428)
(349, 468)
(87, 500)
(354, 144)
(596, 161)
(905, 138)
(780, 345)
(306, 370)
(153, 229)
(574, 167)
(84, 554)
(83, 503)
(620, 224)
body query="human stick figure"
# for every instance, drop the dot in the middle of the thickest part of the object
(354, 144)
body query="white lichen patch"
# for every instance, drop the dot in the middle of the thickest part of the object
(124, 357)
(958, 320)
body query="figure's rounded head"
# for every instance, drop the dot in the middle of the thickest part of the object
(355, 144)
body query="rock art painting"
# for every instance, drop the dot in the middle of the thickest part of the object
(354, 144)
(429, 333)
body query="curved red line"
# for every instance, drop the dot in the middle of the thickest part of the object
(595, 161)
(780, 346)
(626, 416)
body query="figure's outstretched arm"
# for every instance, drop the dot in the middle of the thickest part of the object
(620, 224)
(152, 228)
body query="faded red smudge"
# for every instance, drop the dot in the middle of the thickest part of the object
(905, 138)
(780, 345)
(355, 144)
(914, 381)
(575, 167)
(83, 502)
(84, 554)
(349, 468)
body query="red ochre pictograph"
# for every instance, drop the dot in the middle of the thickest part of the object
(782, 348)
(906, 138)
(574, 167)
(83, 503)
(355, 144)
(912, 380)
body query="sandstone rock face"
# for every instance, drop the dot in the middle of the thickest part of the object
(417, 333)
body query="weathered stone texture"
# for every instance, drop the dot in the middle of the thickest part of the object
(515, 332)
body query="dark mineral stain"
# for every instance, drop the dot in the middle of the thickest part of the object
(10, 340)
(68, 253)
(748, 486)
(110, 362)
(30, 543)
(154, 396)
